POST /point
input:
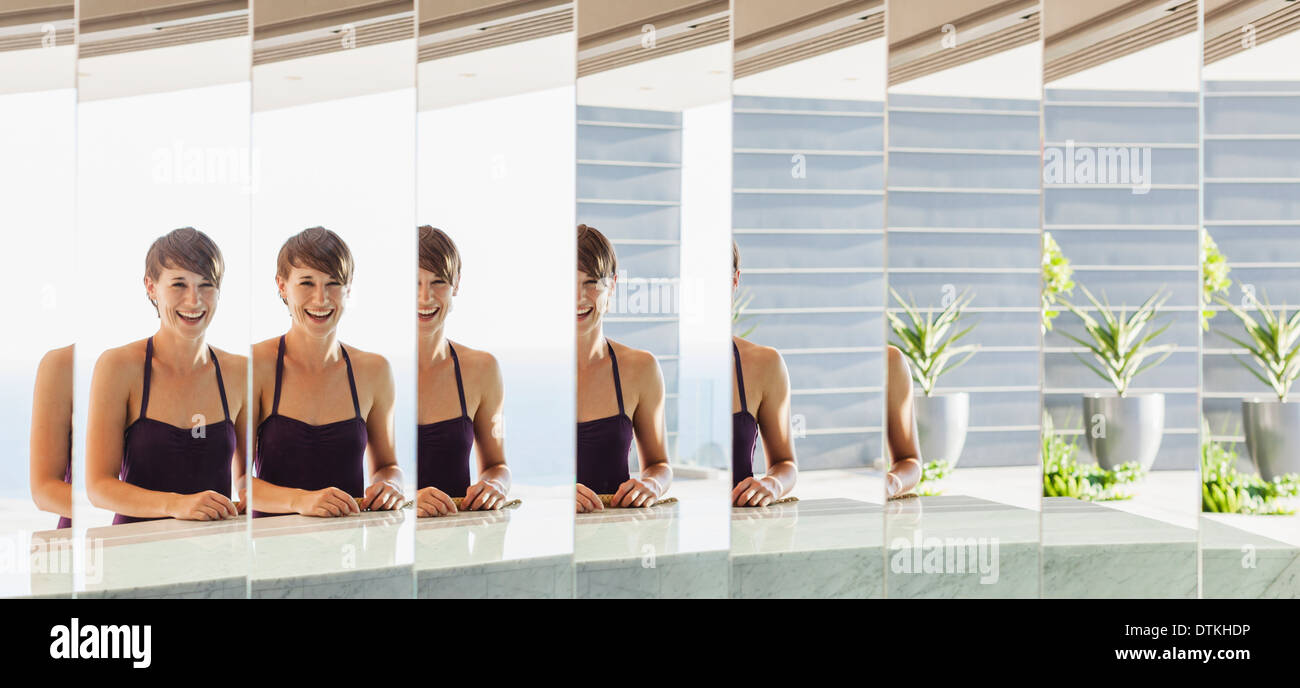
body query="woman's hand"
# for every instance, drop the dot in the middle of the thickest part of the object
(431, 501)
(201, 506)
(382, 496)
(483, 495)
(588, 501)
(636, 492)
(330, 501)
(755, 492)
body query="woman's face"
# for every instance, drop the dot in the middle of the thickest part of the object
(315, 299)
(186, 300)
(433, 301)
(594, 297)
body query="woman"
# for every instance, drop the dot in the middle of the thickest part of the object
(51, 438)
(322, 407)
(452, 421)
(620, 395)
(762, 383)
(761, 404)
(153, 449)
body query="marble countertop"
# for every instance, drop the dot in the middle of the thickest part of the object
(806, 525)
(1231, 531)
(959, 516)
(297, 546)
(539, 527)
(1071, 522)
(697, 522)
(167, 552)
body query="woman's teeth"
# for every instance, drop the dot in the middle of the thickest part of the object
(190, 315)
(584, 312)
(319, 314)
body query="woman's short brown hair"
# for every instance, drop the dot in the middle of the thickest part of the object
(185, 249)
(595, 254)
(319, 249)
(438, 254)
(735, 257)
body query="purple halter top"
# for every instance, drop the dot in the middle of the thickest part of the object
(291, 453)
(603, 444)
(159, 456)
(444, 447)
(744, 431)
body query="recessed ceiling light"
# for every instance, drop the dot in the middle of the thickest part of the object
(850, 78)
(647, 88)
(468, 75)
(717, 71)
(291, 77)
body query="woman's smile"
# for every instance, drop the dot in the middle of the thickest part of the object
(319, 315)
(428, 314)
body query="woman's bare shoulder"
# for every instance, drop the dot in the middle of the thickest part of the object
(476, 362)
(757, 354)
(636, 365)
(368, 363)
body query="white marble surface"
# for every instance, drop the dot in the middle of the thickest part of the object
(165, 558)
(36, 564)
(1250, 556)
(1096, 550)
(813, 548)
(367, 555)
(524, 552)
(1019, 486)
(960, 546)
(673, 551)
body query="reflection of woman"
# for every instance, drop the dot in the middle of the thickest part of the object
(451, 422)
(620, 394)
(905, 464)
(322, 407)
(152, 450)
(51, 439)
(763, 383)
(762, 405)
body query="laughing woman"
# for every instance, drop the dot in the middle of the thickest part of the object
(151, 450)
(460, 397)
(620, 393)
(322, 407)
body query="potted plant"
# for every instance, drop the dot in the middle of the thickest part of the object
(1272, 426)
(929, 343)
(1123, 427)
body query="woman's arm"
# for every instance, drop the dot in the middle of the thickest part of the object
(905, 463)
(489, 441)
(650, 426)
(385, 488)
(108, 412)
(51, 433)
(774, 427)
(238, 462)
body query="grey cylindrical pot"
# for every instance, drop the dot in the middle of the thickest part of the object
(1123, 429)
(941, 423)
(1272, 435)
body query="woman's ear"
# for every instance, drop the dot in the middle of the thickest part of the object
(279, 288)
(150, 292)
(455, 287)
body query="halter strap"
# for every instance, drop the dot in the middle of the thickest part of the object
(618, 385)
(148, 368)
(460, 386)
(352, 383)
(740, 378)
(279, 373)
(221, 385)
